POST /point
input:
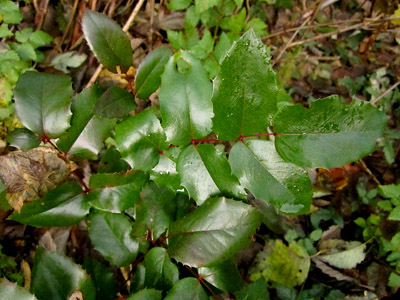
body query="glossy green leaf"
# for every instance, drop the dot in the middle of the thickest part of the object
(140, 139)
(187, 289)
(111, 236)
(85, 137)
(165, 173)
(329, 134)
(111, 162)
(64, 206)
(161, 273)
(42, 103)
(147, 294)
(263, 172)
(103, 279)
(9, 12)
(206, 172)
(185, 99)
(11, 291)
(23, 139)
(55, 276)
(224, 276)
(148, 76)
(107, 40)
(288, 265)
(245, 90)
(115, 102)
(213, 233)
(116, 192)
(155, 210)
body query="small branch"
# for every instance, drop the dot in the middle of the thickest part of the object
(375, 102)
(82, 182)
(289, 42)
(132, 17)
(94, 76)
(71, 19)
(366, 169)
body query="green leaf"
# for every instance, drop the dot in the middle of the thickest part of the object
(39, 38)
(161, 273)
(23, 139)
(282, 264)
(263, 172)
(391, 191)
(165, 173)
(203, 5)
(213, 233)
(25, 51)
(206, 172)
(64, 206)
(55, 276)
(140, 139)
(222, 48)
(85, 137)
(115, 102)
(67, 60)
(224, 276)
(329, 134)
(148, 76)
(11, 291)
(155, 210)
(4, 205)
(9, 12)
(257, 25)
(103, 279)
(234, 23)
(191, 18)
(187, 289)
(348, 258)
(107, 40)
(111, 236)
(179, 4)
(176, 39)
(394, 280)
(257, 290)
(204, 47)
(245, 90)
(42, 103)
(150, 294)
(185, 99)
(116, 192)
(395, 214)
(111, 162)
(4, 31)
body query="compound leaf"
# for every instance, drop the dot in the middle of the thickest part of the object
(116, 192)
(263, 172)
(187, 288)
(205, 172)
(111, 236)
(155, 210)
(245, 90)
(42, 103)
(64, 206)
(214, 232)
(85, 137)
(23, 139)
(329, 134)
(148, 76)
(115, 102)
(140, 139)
(224, 276)
(161, 273)
(55, 276)
(107, 40)
(185, 99)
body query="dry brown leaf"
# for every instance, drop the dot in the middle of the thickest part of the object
(29, 175)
